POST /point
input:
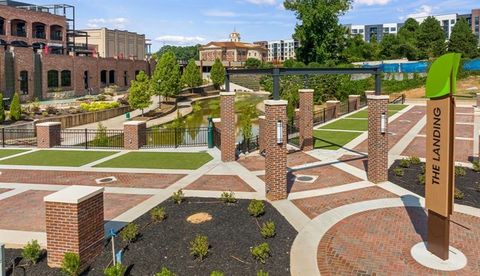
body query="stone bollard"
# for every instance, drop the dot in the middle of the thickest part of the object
(134, 135)
(369, 93)
(48, 135)
(353, 102)
(377, 139)
(227, 114)
(333, 109)
(306, 119)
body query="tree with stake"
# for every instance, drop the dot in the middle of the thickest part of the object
(192, 77)
(15, 108)
(139, 93)
(217, 74)
(463, 40)
(166, 78)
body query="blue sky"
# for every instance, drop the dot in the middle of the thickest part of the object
(184, 22)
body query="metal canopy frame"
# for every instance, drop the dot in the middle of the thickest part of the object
(276, 73)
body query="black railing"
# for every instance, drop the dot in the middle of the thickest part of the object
(91, 138)
(248, 145)
(18, 137)
(399, 100)
(293, 134)
(217, 137)
(176, 137)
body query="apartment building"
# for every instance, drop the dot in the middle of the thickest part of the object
(281, 50)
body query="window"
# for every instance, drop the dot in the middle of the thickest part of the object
(103, 77)
(24, 82)
(125, 78)
(66, 77)
(111, 77)
(52, 76)
(19, 28)
(39, 30)
(361, 31)
(385, 30)
(86, 80)
(354, 31)
(56, 32)
(2, 26)
(393, 29)
(136, 73)
(452, 21)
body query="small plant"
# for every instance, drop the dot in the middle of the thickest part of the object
(228, 197)
(458, 194)
(116, 270)
(268, 229)
(405, 163)
(476, 166)
(15, 108)
(261, 252)
(129, 232)
(199, 247)
(165, 272)
(414, 160)
(256, 208)
(421, 179)
(32, 252)
(262, 273)
(178, 196)
(158, 214)
(460, 171)
(217, 273)
(71, 264)
(422, 169)
(398, 171)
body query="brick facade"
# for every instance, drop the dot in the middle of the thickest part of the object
(276, 154)
(261, 134)
(48, 135)
(227, 114)
(74, 223)
(377, 141)
(134, 135)
(354, 102)
(333, 109)
(306, 119)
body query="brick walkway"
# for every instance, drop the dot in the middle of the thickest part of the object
(257, 163)
(379, 243)
(463, 149)
(220, 183)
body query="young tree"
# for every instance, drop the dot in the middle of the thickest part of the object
(2, 109)
(139, 93)
(407, 37)
(217, 74)
(253, 63)
(192, 77)
(166, 78)
(463, 40)
(321, 37)
(389, 47)
(431, 38)
(358, 50)
(15, 108)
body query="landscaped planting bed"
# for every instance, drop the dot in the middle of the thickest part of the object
(231, 232)
(467, 181)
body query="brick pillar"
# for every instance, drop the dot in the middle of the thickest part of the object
(227, 114)
(306, 119)
(333, 108)
(48, 135)
(377, 141)
(478, 100)
(369, 93)
(354, 102)
(276, 154)
(74, 223)
(261, 133)
(135, 136)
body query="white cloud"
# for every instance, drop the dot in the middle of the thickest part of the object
(262, 2)
(372, 2)
(424, 10)
(180, 40)
(116, 23)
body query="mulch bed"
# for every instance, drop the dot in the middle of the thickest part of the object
(231, 233)
(468, 184)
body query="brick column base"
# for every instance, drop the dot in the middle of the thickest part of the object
(306, 119)
(276, 154)
(227, 115)
(333, 109)
(74, 223)
(48, 135)
(478, 100)
(261, 134)
(134, 135)
(377, 141)
(353, 102)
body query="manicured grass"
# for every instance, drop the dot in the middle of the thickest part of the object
(9, 152)
(392, 110)
(57, 158)
(159, 160)
(333, 140)
(348, 124)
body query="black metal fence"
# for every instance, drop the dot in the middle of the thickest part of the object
(248, 145)
(176, 137)
(91, 138)
(217, 137)
(18, 137)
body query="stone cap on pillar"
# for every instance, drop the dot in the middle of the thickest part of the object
(354, 96)
(227, 93)
(74, 194)
(216, 120)
(48, 124)
(275, 102)
(333, 102)
(306, 91)
(134, 123)
(262, 117)
(378, 97)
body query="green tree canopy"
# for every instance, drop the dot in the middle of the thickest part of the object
(389, 47)
(431, 38)
(321, 37)
(192, 77)
(181, 52)
(358, 50)
(463, 40)
(15, 108)
(217, 74)
(139, 93)
(253, 63)
(408, 32)
(166, 78)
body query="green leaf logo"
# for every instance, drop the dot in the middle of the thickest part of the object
(442, 77)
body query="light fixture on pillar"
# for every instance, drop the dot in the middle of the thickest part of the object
(279, 132)
(383, 123)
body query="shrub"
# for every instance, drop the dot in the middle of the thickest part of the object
(398, 171)
(98, 106)
(261, 252)
(460, 171)
(228, 197)
(216, 273)
(262, 273)
(476, 166)
(405, 163)
(2, 109)
(178, 196)
(32, 252)
(422, 169)
(71, 264)
(15, 108)
(268, 229)
(116, 270)
(421, 179)
(51, 109)
(165, 272)
(129, 233)
(458, 194)
(414, 160)
(199, 247)
(101, 137)
(256, 208)
(158, 214)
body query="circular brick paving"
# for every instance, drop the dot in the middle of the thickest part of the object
(379, 242)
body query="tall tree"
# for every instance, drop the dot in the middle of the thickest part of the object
(431, 38)
(192, 77)
(321, 37)
(139, 93)
(217, 74)
(358, 50)
(407, 37)
(389, 47)
(253, 63)
(463, 40)
(166, 78)
(182, 52)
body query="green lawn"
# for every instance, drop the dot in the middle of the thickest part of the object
(8, 152)
(333, 140)
(348, 124)
(392, 110)
(159, 160)
(64, 158)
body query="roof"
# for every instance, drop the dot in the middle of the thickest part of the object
(230, 44)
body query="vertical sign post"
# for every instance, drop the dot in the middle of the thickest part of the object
(439, 168)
